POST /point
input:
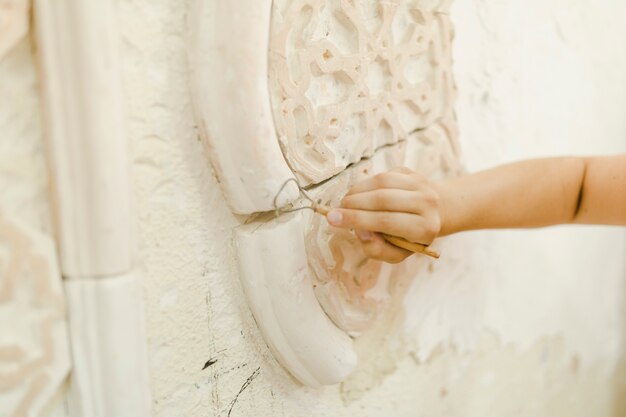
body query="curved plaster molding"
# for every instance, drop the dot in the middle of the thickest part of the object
(229, 72)
(13, 23)
(280, 294)
(88, 156)
(108, 347)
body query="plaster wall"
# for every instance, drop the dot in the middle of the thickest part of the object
(509, 323)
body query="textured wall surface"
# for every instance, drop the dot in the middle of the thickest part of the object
(542, 79)
(34, 357)
(511, 323)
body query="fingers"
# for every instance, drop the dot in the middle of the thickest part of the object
(398, 203)
(391, 179)
(417, 202)
(409, 226)
(376, 247)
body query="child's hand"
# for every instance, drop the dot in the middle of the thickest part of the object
(399, 203)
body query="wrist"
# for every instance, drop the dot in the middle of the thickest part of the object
(448, 223)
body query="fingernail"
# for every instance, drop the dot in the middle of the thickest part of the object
(364, 236)
(334, 217)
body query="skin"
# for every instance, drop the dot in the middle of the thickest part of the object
(532, 193)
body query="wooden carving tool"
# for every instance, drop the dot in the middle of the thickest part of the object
(394, 240)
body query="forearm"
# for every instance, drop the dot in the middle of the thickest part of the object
(531, 193)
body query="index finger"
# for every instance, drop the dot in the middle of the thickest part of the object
(395, 180)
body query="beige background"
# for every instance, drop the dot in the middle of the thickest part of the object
(527, 323)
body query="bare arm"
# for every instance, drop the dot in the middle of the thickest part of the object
(531, 193)
(603, 192)
(536, 193)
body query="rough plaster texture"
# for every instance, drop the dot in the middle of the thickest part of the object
(512, 323)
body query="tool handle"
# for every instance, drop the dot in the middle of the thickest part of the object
(413, 247)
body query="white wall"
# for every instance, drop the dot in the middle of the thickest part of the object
(539, 79)
(527, 323)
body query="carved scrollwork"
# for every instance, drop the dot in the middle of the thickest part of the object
(348, 77)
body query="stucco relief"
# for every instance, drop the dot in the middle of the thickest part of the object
(34, 349)
(13, 23)
(347, 89)
(349, 77)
